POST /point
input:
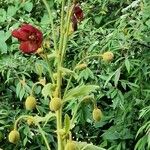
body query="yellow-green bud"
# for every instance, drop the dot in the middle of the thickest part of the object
(81, 66)
(97, 114)
(30, 103)
(55, 104)
(71, 145)
(108, 56)
(14, 136)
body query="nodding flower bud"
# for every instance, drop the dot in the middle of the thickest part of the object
(108, 56)
(55, 104)
(97, 114)
(71, 145)
(81, 66)
(14, 136)
(30, 103)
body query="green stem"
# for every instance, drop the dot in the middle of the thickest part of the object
(62, 26)
(59, 78)
(17, 121)
(59, 126)
(69, 13)
(51, 22)
(32, 90)
(43, 135)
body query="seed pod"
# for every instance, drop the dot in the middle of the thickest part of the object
(71, 145)
(97, 114)
(30, 103)
(81, 66)
(55, 104)
(14, 136)
(108, 56)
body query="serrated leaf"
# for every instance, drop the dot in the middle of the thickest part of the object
(68, 71)
(46, 91)
(127, 64)
(80, 91)
(67, 123)
(117, 76)
(110, 76)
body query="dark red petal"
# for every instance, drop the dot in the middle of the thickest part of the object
(78, 12)
(27, 28)
(20, 34)
(74, 23)
(39, 37)
(32, 30)
(28, 47)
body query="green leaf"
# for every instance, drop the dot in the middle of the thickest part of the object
(67, 123)
(28, 6)
(11, 11)
(127, 64)
(47, 90)
(2, 15)
(109, 78)
(86, 146)
(117, 76)
(80, 91)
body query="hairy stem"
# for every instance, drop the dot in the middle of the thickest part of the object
(51, 22)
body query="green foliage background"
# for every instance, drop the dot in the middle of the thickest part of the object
(120, 26)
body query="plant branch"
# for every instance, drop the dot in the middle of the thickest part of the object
(51, 22)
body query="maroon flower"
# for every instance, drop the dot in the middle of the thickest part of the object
(78, 12)
(30, 38)
(77, 16)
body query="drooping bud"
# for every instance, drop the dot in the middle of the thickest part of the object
(14, 136)
(55, 104)
(81, 66)
(108, 56)
(71, 145)
(97, 114)
(30, 103)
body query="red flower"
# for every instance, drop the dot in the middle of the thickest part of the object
(30, 38)
(78, 12)
(77, 16)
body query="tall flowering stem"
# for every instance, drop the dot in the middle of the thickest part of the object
(60, 51)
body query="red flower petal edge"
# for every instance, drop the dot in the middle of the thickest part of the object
(30, 38)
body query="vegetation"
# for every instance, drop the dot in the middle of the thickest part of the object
(82, 81)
